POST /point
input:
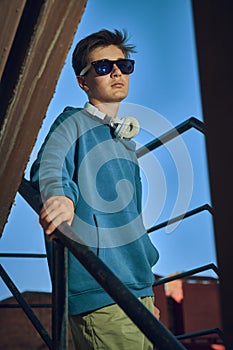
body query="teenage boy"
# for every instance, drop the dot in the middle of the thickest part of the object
(88, 175)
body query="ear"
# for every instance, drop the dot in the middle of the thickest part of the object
(82, 83)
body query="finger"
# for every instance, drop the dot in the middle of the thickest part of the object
(50, 229)
(46, 212)
(61, 217)
(51, 209)
(45, 223)
(51, 224)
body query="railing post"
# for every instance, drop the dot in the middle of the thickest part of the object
(59, 297)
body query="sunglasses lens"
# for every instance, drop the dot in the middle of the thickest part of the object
(104, 67)
(126, 66)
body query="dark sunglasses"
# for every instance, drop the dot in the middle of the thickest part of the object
(104, 67)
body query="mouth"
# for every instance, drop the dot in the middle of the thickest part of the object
(118, 85)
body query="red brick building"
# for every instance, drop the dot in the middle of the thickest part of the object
(191, 306)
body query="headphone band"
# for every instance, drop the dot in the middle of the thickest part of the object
(126, 127)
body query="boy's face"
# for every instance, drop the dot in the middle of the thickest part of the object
(109, 88)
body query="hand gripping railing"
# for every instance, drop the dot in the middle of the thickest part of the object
(154, 330)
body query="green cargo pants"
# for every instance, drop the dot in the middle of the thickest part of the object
(109, 328)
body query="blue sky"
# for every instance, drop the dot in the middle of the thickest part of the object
(165, 84)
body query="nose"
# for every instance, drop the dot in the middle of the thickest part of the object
(115, 71)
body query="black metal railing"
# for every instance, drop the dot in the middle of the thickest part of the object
(202, 333)
(191, 272)
(171, 134)
(181, 217)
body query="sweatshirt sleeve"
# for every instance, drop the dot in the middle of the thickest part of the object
(52, 173)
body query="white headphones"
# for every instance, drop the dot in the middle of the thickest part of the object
(126, 127)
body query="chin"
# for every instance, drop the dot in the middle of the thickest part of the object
(119, 97)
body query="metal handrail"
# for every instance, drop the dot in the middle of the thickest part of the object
(17, 306)
(191, 272)
(169, 135)
(180, 217)
(202, 333)
(22, 255)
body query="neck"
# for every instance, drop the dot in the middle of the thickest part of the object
(109, 108)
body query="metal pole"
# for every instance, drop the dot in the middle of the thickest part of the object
(59, 298)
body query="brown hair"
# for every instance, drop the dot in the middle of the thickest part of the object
(102, 38)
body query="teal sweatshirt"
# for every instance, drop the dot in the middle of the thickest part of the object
(83, 160)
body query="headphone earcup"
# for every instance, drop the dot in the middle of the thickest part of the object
(127, 128)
